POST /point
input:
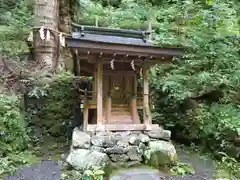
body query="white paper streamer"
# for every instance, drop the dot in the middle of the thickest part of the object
(48, 37)
(112, 64)
(133, 65)
(41, 32)
(62, 40)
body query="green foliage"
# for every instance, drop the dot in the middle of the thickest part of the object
(9, 164)
(229, 164)
(182, 169)
(13, 131)
(13, 136)
(15, 23)
(53, 111)
(93, 174)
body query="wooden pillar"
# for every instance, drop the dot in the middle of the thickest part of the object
(109, 100)
(77, 63)
(134, 102)
(108, 108)
(94, 83)
(99, 94)
(134, 109)
(146, 110)
(85, 111)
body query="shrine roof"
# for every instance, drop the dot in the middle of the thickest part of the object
(117, 41)
(111, 35)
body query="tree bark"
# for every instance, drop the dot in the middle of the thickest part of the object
(46, 14)
(65, 19)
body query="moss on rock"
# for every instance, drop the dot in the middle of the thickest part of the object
(160, 153)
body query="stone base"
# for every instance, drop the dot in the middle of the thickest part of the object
(121, 149)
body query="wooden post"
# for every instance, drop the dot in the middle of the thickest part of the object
(85, 111)
(94, 85)
(78, 63)
(99, 93)
(146, 110)
(108, 108)
(134, 102)
(134, 109)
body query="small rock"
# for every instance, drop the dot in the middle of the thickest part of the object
(63, 165)
(121, 135)
(115, 150)
(96, 148)
(134, 139)
(80, 139)
(159, 134)
(63, 157)
(144, 138)
(123, 143)
(119, 157)
(142, 147)
(103, 141)
(134, 153)
(104, 133)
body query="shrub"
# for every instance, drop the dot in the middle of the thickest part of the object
(13, 130)
(53, 111)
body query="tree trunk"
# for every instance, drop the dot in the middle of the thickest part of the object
(66, 58)
(46, 53)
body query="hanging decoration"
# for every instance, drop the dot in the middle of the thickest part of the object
(30, 37)
(112, 64)
(48, 37)
(133, 65)
(41, 32)
(62, 40)
(141, 72)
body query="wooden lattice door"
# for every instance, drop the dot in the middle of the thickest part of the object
(117, 89)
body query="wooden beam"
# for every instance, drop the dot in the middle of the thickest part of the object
(131, 50)
(146, 110)
(93, 58)
(123, 127)
(99, 94)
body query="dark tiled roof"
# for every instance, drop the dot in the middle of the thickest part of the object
(110, 39)
(110, 35)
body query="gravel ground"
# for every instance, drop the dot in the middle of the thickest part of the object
(46, 170)
(148, 174)
(49, 170)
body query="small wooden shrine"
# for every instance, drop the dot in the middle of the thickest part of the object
(116, 59)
